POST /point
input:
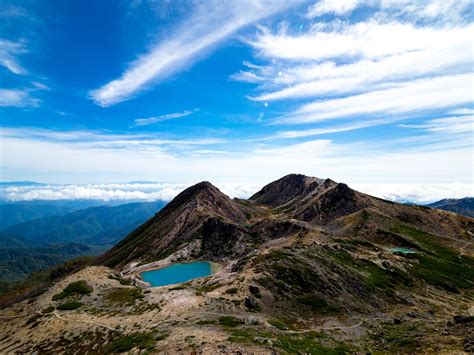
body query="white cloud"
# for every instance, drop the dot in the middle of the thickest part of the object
(116, 192)
(17, 98)
(419, 193)
(379, 54)
(169, 116)
(434, 159)
(326, 130)
(409, 97)
(458, 124)
(413, 9)
(8, 56)
(337, 7)
(462, 111)
(105, 192)
(401, 192)
(208, 24)
(370, 40)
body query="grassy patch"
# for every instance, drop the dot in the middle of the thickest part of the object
(400, 337)
(48, 310)
(69, 306)
(33, 319)
(121, 280)
(209, 287)
(206, 322)
(124, 296)
(278, 324)
(308, 343)
(438, 265)
(229, 321)
(317, 304)
(128, 342)
(74, 288)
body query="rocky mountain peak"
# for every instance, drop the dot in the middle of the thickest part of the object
(287, 188)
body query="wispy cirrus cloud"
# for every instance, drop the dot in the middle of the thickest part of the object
(419, 9)
(9, 52)
(457, 124)
(17, 98)
(337, 7)
(405, 98)
(161, 118)
(88, 139)
(378, 58)
(395, 60)
(209, 23)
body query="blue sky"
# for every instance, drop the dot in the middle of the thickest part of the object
(366, 92)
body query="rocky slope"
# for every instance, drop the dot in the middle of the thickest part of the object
(308, 266)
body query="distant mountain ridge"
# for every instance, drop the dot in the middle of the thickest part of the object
(93, 225)
(47, 241)
(464, 206)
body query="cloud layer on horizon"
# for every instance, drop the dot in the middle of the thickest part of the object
(399, 192)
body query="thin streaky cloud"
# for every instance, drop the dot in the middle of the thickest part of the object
(210, 23)
(409, 97)
(169, 116)
(326, 130)
(9, 51)
(457, 124)
(17, 98)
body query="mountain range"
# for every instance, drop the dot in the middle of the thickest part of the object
(464, 206)
(306, 265)
(47, 241)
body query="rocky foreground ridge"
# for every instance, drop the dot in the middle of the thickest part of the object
(308, 266)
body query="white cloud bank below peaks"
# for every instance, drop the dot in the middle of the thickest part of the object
(149, 191)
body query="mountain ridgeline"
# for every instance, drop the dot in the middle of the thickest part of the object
(464, 206)
(294, 205)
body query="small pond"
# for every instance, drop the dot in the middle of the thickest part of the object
(177, 273)
(402, 250)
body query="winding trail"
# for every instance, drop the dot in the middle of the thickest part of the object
(462, 250)
(82, 321)
(323, 328)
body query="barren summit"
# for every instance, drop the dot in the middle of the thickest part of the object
(306, 265)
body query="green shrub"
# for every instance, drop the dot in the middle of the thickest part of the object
(124, 296)
(128, 342)
(205, 322)
(48, 310)
(229, 321)
(232, 291)
(316, 303)
(69, 306)
(79, 288)
(124, 282)
(278, 324)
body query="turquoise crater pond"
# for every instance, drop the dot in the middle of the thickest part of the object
(402, 250)
(177, 273)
